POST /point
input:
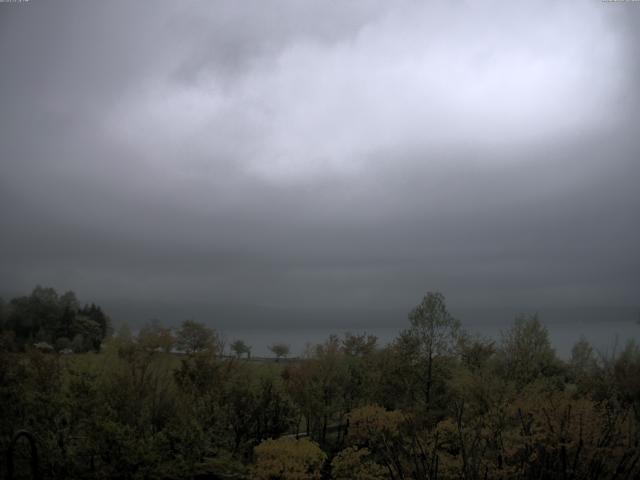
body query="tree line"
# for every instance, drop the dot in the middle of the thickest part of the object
(51, 319)
(58, 322)
(435, 403)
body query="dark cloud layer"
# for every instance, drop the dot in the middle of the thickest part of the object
(323, 154)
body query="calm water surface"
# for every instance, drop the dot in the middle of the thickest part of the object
(604, 336)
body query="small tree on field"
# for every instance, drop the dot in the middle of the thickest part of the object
(280, 350)
(240, 348)
(194, 337)
(153, 336)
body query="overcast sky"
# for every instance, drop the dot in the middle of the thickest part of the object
(329, 153)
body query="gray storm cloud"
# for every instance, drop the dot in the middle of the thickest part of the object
(309, 154)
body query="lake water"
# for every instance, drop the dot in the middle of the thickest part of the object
(604, 327)
(603, 336)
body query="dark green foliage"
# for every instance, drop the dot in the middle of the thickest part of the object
(45, 316)
(194, 337)
(153, 336)
(240, 348)
(526, 352)
(95, 314)
(280, 350)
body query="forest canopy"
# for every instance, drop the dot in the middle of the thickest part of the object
(60, 321)
(435, 403)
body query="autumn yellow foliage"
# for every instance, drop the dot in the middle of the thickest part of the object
(288, 459)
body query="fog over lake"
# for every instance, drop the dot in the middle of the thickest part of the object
(606, 337)
(608, 329)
